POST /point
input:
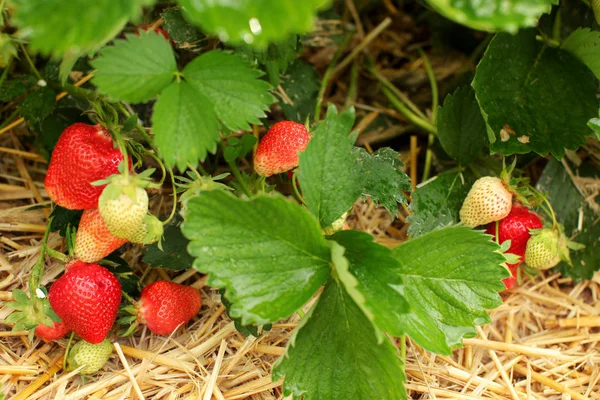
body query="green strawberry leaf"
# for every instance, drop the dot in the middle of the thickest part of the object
(507, 15)
(301, 85)
(583, 44)
(521, 83)
(568, 203)
(38, 104)
(384, 182)
(185, 125)
(238, 97)
(136, 69)
(377, 280)
(275, 58)
(450, 277)
(174, 255)
(246, 330)
(329, 175)
(334, 354)
(13, 88)
(268, 252)
(184, 35)
(461, 128)
(63, 218)
(437, 203)
(57, 27)
(255, 22)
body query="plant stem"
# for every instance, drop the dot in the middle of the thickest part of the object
(10, 119)
(30, 62)
(238, 176)
(123, 148)
(428, 158)
(38, 269)
(139, 128)
(433, 84)
(295, 186)
(327, 75)
(174, 209)
(80, 92)
(412, 117)
(5, 72)
(162, 168)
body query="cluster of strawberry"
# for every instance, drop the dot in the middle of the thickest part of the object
(491, 203)
(86, 173)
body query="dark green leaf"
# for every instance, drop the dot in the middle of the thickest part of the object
(461, 128)
(450, 278)
(301, 85)
(184, 35)
(63, 218)
(256, 22)
(506, 15)
(38, 104)
(268, 252)
(334, 354)
(568, 204)
(383, 179)
(276, 57)
(584, 44)
(329, 175)
(130, 283)
(57, 27)
(437, 203)
(137, 69)
(523, 87)
(174, 255)
(185, 125)
(13, 88)
(376, 271)
(238, 97)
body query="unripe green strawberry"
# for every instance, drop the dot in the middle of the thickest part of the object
(542, 250)
(124, 213)
(487, 201)
(150, 231)
(93, 356)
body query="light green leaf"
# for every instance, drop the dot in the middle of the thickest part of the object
(377, 274)
(334, 355)
(450, 278)
(268, 252)
(255, 22)
(238, 97)
(584, 44)
(437, 203)
(524, 88)
(137, 69)
(383, 179)
(57, 27)
(329, 175)
(494, 15)
(185, 125)
(461, 128)
(301, 84)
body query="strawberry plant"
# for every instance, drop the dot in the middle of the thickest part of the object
(207, 113)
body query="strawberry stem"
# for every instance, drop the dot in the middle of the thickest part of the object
(123, 149)
(238, 176)
(38, 269)
(174, 209)
(432, 84)
(295, 186)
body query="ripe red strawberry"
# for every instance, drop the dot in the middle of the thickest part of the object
(58, 330)
(487, 201)
(278, 150)
(164, 306)
(87, 299)
(512, 279)
(83, 154)
(93, 241)
(515, 227)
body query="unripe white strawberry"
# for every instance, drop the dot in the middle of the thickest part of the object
(150, 231)
(487, 201)
(124, 212)
(93, 356)
(542, 250)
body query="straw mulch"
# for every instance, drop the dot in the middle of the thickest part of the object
(541, 344)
